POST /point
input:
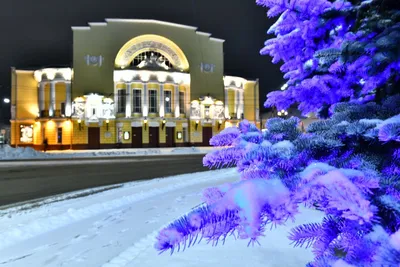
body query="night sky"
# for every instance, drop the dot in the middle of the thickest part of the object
(36, 34)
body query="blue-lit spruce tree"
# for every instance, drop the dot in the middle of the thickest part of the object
(341, 60)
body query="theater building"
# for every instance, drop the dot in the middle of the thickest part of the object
(133, 83)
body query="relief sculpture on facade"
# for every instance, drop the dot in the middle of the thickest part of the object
(78, 109)
(195, 110)
(219, 111)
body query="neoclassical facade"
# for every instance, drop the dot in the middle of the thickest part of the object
(133, 83)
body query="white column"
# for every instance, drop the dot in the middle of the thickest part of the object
(240, 104)
(176, 99)
(128, 107)
(236, 102)
(41, 96)
(115, 99)
(145, 101)
(68, 101)
(226, 103)
(162, 108)
(52, 107)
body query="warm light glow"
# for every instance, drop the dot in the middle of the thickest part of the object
(79, 121)
(228, 124)
(178, 78)
(107, 121)
(220, 121)
(108, 100)
(145, 121)
(162, 76)
(127, 76)
(50, 73)
(233, 80)
(164, 121)
(279, 113)
(145, 76)
(207, 101)
(50, 124)
(128, 52)
(38, 75)
(66, 73)
(6, 100)
(67, 124)
(197, 121)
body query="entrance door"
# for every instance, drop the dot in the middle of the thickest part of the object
(170, 136)
(207, 134)
(154, 136)
(94, 137)
(136, 137)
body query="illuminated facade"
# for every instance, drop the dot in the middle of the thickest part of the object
(134, 83)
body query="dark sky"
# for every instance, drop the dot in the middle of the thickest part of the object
(38, 33)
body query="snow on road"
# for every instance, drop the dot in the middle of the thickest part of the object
(9, 153)
(117, 228)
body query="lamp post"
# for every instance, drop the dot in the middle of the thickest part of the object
(283, 113)
(3, 133)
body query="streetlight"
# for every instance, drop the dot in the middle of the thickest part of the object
(282, 113)
(6, 100)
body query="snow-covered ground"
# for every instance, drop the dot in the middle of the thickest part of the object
(9, 153)
(117, 227)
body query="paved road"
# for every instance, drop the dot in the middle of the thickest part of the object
(27, 180)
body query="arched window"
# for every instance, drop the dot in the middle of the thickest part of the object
(147, 56)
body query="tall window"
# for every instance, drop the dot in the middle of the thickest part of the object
(121, 100)
(168, 101)
(182, 102)
(137, 100)
(152, 101)
(63, 108)
(59, 135)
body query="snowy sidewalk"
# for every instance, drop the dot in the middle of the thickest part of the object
(117, 228)
(9, 153)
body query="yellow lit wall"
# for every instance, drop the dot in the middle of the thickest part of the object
(231, 101)
(60, 94)
(51, 132)
(111, 129)
(250, 101)
(79, 136)
(37, 133)
(66, 132)
(196, 135)
(47, 96)
(145, 134)
(162, 136)
(25, 96)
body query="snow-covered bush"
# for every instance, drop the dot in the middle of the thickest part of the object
(342, 170)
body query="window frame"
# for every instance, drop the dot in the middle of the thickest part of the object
(121, 95)
(153, 95)
(182, 107)
(136, 108)
(168, 103)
